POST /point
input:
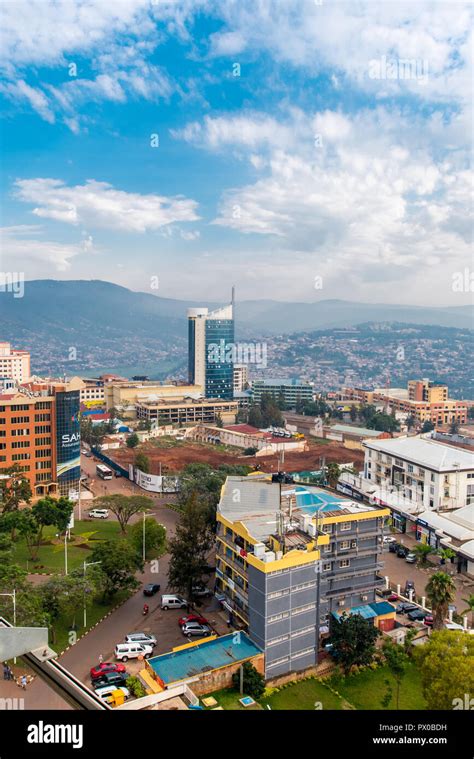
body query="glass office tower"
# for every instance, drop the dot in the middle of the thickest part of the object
(211, 351)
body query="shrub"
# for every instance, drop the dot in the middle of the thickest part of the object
(253, 681)
(135, 686)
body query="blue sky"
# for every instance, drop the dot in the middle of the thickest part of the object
(306, 150)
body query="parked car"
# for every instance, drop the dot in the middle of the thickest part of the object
(402, 552)
(453, 626)
(173, 602)
(88, 454)
(192, 618)
(389, 539)
(125, 651)
(150, 589)
(393, 547)
(393, 597)
(99, 513)
(200, 591)
(191, 629)
(140, 637)
(417, 614)
(409, 585)
(405, 607)
(106, 692)
(106, 666)
(428, 620)
(110, 678)
(410, 558)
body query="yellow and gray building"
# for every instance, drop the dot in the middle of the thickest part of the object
(291, 557)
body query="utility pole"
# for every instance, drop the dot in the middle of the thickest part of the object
(65, 552)
(143, 538)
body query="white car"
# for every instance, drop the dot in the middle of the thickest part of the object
(125, 651)
(145, 639)
(99, 513)
(389, 539)
(106, 692)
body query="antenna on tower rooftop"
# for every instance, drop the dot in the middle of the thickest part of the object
(233, 296)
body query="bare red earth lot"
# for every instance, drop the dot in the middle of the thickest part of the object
(175, 458)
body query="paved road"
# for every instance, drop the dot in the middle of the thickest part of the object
(399, 571)
(102, 639)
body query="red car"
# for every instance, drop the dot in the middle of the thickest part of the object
(393, 597)
(193, 618)
(428, 620)
(106, 666)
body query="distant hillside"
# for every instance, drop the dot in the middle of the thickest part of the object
(111, 326)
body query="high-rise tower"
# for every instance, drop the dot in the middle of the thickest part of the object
(211, 350)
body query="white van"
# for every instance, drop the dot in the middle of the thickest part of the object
(173, 602)
(99, 513)
(106, 692)
(125, 651)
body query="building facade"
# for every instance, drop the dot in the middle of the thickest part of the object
(424, 471)
(14, 364)
(186, 411)
(40, 436)
(289, 558)
(211, 350)
(241, 377)
(291, 391)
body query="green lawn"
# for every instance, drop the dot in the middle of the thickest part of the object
(307, 695)
(366, 689)
(51, 556)
(229, 699)
(362, 691)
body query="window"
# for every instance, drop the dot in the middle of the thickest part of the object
(21, 444)
(303, 631)
(327, 528)
(302, 609)
(41, 428)
(20, 419)
(303, 653)
(42, 417)
(20, 407)
(344, 563)
(345, 526)
(278, 617)
(410, 468)
(327, 548)
(278, 594)
(303, 586)
(278, 661)
(20, 432)
(21, 456)
(344, 545)
(280, 639)
(327, 566)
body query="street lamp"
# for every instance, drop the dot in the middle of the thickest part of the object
(87, 564)
(143, 538)
(12, 595)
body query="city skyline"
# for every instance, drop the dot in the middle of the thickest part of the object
(176, 147)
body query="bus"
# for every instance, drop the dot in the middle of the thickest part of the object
(104, 472)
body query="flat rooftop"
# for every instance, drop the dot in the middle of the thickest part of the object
(204, 657)
(259, 503)
(425, 452)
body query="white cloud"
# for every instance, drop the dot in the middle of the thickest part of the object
(98, 204)
(21, 251)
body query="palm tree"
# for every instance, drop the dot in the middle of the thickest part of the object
(440, 590)
(470, 605)
(422, 551)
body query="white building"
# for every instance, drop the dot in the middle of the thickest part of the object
(241, 377)
(14, 364)
(430, 474)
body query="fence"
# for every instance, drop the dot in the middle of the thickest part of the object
(110, 462)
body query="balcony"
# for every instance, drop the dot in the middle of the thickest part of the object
(232, 563)
(356, 588)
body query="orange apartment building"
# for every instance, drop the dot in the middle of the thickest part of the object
(423, 400)
(40, 436)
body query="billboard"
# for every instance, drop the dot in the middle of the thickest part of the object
(68, 437)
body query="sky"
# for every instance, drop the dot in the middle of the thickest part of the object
(298, 149)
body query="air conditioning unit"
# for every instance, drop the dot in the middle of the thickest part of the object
(354, 544)
(341, 603)
(364, 598)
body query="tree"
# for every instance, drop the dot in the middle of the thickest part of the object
(46, 512)
(446, 554)
(446, 666)
(255, 417)
(118, 563)
(427, 426)
(397, 661)
(440, 591)
(142, 462)
(253, 681)
(454, 427)
(133, 440)
(422, 551)
(124, 506)
(206, 482)
(333, 473)
(218, 420)
(470, 605)
(65, 595)
(250, 451)
(410, 421)
(353, 641)
(353, 413)
(189, 547)
(14, 489)
(155, 536)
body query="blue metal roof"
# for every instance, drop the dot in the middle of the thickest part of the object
(365, 611)
(382, 607)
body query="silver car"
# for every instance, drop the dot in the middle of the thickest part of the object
(139, 637)
(191, 629)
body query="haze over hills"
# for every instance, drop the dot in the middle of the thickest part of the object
(106, 327)
(89, 308)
